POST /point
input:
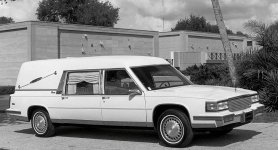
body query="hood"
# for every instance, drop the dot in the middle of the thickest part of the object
(214, 93)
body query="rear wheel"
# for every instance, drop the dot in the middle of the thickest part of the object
(174, 128)
(42, 124)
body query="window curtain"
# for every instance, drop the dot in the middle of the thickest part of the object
(90, 77)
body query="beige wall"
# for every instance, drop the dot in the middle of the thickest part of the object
(194, 42)
(26, 41)
(44, 42)
(192, 47)
(168, 44)
(13, 52)
(208, 44)
(72, 43)
(186, 59)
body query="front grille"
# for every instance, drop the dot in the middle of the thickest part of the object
(239, 103)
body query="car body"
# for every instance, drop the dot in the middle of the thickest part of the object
(139, 91)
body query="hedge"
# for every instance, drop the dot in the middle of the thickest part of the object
(4, 90)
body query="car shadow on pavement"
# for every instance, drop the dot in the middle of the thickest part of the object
(148, 136)
(235, 136)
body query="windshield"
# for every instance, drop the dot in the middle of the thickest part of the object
(160, 76)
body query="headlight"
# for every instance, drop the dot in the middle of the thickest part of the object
(216, 106)
(255, 99)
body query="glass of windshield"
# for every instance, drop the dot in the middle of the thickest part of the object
(160, 76)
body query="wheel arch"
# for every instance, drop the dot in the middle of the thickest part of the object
(32, 108)
(159, 109)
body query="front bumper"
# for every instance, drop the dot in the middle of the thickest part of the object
(229, 120)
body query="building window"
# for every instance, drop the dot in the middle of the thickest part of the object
(249, 43)
(83, 83)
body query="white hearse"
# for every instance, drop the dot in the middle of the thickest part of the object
(136, 91)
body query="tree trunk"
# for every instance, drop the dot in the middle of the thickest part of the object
(224, 39)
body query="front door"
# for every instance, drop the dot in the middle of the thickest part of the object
(120, 103)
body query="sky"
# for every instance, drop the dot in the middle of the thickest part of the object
(149, 14)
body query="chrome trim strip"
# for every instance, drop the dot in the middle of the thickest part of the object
(133, 124)
(35, 89)
(97, 108)
(126, 108)
(71, 121)
(96, 122)
(203, 126)
(73, 108)
(216, 118)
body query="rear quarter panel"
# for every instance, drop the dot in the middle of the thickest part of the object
(23, 100)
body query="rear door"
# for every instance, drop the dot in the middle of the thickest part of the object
(80, 101)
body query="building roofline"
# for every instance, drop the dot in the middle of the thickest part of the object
(70, 26)
(198, 33)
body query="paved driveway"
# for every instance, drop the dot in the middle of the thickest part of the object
(19, 135)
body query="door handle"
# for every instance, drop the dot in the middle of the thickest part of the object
(64, 98)
(106, 97)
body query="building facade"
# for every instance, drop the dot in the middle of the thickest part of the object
(32, 40)
(187, 48)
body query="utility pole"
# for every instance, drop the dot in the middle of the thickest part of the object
(224, 39)
(163, 14)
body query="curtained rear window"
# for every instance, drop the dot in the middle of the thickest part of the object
(83, 83)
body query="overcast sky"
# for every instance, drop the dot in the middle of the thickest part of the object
(148, 14)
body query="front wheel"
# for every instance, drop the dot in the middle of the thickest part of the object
(174, 128)
(42, 124)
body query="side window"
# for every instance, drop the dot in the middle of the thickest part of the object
(83, 83)
(118, 82)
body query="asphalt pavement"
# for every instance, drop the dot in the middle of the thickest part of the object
(19, 135)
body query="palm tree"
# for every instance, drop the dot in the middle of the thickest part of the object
(224, 39)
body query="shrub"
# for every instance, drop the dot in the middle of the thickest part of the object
(253, 67)
(209, 74)
(269, 93)
(4, 90)
(258, 71)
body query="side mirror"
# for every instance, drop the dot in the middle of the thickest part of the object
(133, 93)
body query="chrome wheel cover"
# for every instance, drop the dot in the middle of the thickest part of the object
(40, 123)
(172, 129)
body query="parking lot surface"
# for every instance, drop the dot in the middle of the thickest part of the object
(19, 135)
